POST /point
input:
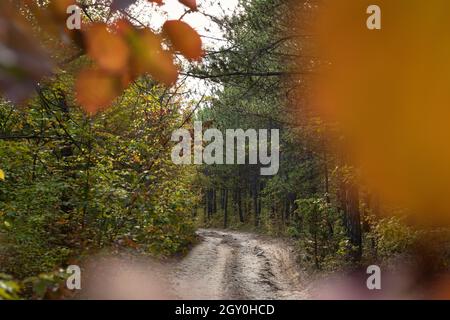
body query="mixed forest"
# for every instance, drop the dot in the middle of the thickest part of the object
(85, 142)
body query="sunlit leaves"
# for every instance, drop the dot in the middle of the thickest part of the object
(184, 39)
(9, 289)
(108, 50)
(192, 4)
(2, 175)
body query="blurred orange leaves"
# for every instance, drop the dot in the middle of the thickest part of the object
(125, 52)
(108, 50)
(389, 91)
(96, 89)
(121, 52)
(149, 56)
(184, 39)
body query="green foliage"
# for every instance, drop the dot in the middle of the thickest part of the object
(43, 286)
(264, 54)
(321, 234)
(46, 285)
(392, 236)
(317, 198)
(76, 183)
(9, 289)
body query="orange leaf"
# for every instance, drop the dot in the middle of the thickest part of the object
(159, 2)
(192, 4)
(164, 70)
(184, 39)
(96, 90)
(109, 50)
(149, 57)
(123, 27)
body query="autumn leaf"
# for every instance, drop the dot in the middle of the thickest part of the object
(2, 175)
(124, 28)
(184, 39)
(109, 50)
(159, 2)
(164, 71)
(96, 90)
(192, 4)
(149, 57)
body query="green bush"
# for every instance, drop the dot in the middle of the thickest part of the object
(392, 236)
(322, 235)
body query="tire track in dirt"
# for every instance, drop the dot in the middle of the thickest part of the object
(237, 265)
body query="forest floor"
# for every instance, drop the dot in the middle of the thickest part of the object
(223, 265)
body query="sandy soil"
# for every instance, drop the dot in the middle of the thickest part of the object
(236, 265)
(223, 265)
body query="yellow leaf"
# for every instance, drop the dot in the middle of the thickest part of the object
(2, 175)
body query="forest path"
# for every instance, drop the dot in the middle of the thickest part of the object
(238, 265)
(223, 265)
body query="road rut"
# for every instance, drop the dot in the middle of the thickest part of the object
(237, 265)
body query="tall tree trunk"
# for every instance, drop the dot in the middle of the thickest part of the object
(326, 173)
(234, 201)
(210, 204)
(222, 199)
(205, 206)
(214, 201)
(239, 204)
(255, 202)
(287, 209)
(354, 220)
(225, 212)
(261, 187)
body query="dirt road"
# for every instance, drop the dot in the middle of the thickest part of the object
(223, 265)
(236, 265)
(229, 265)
